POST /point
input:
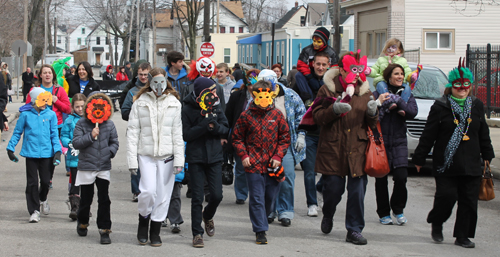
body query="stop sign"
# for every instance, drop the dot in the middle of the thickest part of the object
(207, 49)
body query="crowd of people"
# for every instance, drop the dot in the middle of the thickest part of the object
(184, 122)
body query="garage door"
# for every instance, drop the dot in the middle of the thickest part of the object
(372, 31)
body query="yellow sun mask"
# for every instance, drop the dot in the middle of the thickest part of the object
(317, 43)
(263, 98)
(43, 99)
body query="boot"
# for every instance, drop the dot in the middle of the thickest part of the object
(81, 229)
(74, 201)
(105, 236)
(154, 233)
(142, 230)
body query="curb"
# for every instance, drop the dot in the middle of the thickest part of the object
(493, 123)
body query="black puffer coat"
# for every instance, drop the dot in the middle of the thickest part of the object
(74, 86)
(203, 143)
(95, 155)
(438, 131)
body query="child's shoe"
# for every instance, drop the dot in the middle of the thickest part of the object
(74, 202)
(105, 236)
(386, 220)
(176, 228)
(81, 229)
(400, 219)
(45, 207)
(260, 238)
(35, 217)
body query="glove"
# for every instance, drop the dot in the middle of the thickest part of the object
(278, 173)
(350, 90)
(313, 83)
(57, 159)
(368, 71)
(340, 108)
(301, 142)
(413, 78)
(133, 171)
(74, 152)
(372, 107)
(177, 170)
(12, 156)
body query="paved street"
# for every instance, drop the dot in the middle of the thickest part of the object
(55, 234)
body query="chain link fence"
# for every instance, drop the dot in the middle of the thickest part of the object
(412, 55)
(484, 62)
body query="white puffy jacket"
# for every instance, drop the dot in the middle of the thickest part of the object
(155, 129)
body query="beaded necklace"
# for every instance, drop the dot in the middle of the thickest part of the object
(469, 120)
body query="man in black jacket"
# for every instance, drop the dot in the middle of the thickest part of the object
(27, 82)
(237, 72)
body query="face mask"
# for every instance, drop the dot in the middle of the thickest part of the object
(392, 49)
(43, 99)
(207, 100)
(205, 67)
(263, 98)
(158, 84)
(354, 67)
(317, 43)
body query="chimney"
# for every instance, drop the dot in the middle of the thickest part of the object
(296, 4)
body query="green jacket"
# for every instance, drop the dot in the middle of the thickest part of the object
(382, 63)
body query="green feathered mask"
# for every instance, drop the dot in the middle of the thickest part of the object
(460, 77)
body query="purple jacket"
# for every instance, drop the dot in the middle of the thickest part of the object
(394, 132)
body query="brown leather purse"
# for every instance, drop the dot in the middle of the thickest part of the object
(376, 164)
(486, 191)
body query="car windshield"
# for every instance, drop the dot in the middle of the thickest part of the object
(430, 85)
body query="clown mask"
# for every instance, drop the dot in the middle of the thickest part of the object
(317, 43)
(43, 99)
(158, 84)
(206, 67)
(263, 98)
(207, 100)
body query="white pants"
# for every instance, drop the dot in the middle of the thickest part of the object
(156, 185)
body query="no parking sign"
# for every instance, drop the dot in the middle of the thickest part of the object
(207, 49)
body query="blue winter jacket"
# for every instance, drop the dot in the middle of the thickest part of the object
(41, 136)
(67, 138)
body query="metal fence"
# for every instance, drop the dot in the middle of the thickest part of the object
(484, 62)
(412, 55)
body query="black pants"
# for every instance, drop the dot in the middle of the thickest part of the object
(174, 209)
(74, 190)
(104, 203)
(333, 189)
(449, 190)
(26, 90)
(35, 168)
(399, 195)
(212, 173)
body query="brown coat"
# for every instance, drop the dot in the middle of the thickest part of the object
(342, 141)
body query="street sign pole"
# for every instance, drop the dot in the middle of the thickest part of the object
(19, 47)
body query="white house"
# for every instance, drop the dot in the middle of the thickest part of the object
(78, 37)
(439, 29)
(98, 47)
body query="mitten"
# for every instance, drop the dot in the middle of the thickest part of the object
(277, 173)
(301, 142)
(372, 107)
(367, 71)
(57, 159)
(340, 108)
(12, 156)
(133, 171)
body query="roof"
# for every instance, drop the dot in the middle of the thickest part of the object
(287, 17)
(256, 39)
(163, 19)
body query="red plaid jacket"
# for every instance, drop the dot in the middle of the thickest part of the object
(261, 134)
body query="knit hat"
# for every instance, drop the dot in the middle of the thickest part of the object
(268, 75)
(73, 66)
(322, 33)
(35, 92)
(202, 83)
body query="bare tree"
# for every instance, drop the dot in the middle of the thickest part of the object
(470, 8)
(187, 12)
(260, 14)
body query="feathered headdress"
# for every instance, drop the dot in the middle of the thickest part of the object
(461, 76)
(355, 64)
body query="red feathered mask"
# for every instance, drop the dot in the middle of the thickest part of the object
(355, 66)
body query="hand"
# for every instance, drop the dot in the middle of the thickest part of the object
(95, 132)
(6, 126)
(301, 142)
(12, 156)
(368, 71)
(418, 168)
(350, 89)
(340, 108)
(74, 152)
(223, 142)
(383, 97)
(372, 107)
(211, 126)
(177, 170)
(246, 163)
(133, 171)
(275, 164)
(54, 99)
(57, 159)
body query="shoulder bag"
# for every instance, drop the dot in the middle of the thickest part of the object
(376, 164)
(486, 191)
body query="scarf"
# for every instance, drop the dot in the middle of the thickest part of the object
(457, 136)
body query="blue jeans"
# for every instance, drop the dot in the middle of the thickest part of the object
(134, 182)
(285, 200)
(263, 191)
(383, 88)
(308, 167)
(240, 181)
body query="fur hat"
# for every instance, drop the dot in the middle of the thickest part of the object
(35, 92)
(201, 83)
(322, 33)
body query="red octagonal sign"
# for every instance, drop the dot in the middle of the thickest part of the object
(207, 49)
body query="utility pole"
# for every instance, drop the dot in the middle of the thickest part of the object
(154, 33)
(25, 33)
(110, 47)
(45, 34)
(137, 31)
(131, 24)
(272, 44)
(336, 26)
(206, 21)
(218, 10)
(55, 30)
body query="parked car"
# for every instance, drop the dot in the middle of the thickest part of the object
(102, 70)
(430, 86)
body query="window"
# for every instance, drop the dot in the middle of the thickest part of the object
(241, 30)
(107, 56)
(222, 29)
(251, 53)
(83, 31)
(277, 52)
(227, 55)
(380, 41)
(248, 49)
(79, 41)
(283, 54)
(239, 53)
(107, 41)
(439, 40)
(267, 54)
(58, 39)
(98, 40)
(231, 29)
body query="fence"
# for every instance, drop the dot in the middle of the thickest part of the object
(484, 62)
(412, 55)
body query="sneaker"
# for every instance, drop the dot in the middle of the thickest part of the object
(286, 222)
(209, 227)
(45, 207)
(260, 238)
(105, 236)
(356, 238)
(313, 211)
(270, 220)
(198, 241)
(400, 219)
(81, 229)
(240, 201)
(176, 228)
(386, 220)
(135, 198)
(164, 223)
(465, 243)
(326, 225)
(35, 217)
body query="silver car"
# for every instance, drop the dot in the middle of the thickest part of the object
(430, 86)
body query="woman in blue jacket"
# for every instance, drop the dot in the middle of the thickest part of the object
(41, 148)
(77, 105)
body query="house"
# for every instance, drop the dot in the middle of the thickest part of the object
(439, 30)
(78, 37)
(98, 47)
(62, 42)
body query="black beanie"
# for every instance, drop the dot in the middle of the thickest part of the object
(202, 83)
(322, 33)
